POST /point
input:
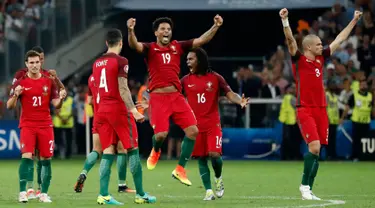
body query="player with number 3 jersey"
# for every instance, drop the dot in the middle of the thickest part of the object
(166, 101)
(36, 92)
(311, 102)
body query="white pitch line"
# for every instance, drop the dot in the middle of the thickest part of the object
(329, 202)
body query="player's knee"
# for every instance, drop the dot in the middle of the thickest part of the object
(214, 155)
(109, 150)
(191, 132)
(120, 148)
(97, 149)
(314, 147)
(161, 136)
(27, 155)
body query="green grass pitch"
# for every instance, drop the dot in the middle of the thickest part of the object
(247, 184)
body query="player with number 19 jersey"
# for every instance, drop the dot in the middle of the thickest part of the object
(164, 69)
(113, 119)
(202, 93)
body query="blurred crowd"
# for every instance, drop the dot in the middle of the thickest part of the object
(19, 21)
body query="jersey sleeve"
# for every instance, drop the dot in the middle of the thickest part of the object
(296, 56)
(224, 87)
(326, 52)
(54, 91)
(186, 45)
(146, 48)
(123, 67)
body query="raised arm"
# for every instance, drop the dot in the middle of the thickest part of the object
(292, 43)
(132, 39)
(207, 36)
(344, 34)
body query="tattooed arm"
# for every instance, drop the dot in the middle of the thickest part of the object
(127, 98)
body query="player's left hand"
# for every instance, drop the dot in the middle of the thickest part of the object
(244, 101)
(138, 116)
(62, 94)
(218, 20)
(142, 104)
(357, 15)
(52, 73)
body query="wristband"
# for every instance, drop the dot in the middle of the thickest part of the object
(285, 22)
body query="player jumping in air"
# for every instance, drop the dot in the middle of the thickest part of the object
(115, 119)
(166, 100)
(36, 92)
(311, 101)
(31, 194)
(202, 89)
(97, 149)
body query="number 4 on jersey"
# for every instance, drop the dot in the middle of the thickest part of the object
(103, 80)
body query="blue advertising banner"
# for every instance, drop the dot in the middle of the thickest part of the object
(9, 139)
(238, 143)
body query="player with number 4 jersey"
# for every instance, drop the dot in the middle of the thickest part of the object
(36, 92)
(202, 88)
(166, 101)
(116, 117)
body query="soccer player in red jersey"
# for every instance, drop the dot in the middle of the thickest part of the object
(166, 100)
(97, 148)
(36, 92)
(311, 101)
(202, 89)
(31, 194)
(115, 118)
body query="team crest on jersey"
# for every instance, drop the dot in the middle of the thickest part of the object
(174, 51)
(45, 90)
(209, 86)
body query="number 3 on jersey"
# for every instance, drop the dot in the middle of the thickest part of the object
(166, 58)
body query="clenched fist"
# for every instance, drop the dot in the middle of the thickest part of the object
(283, 13)
(218, 20)
(357, 15)
(131, 23)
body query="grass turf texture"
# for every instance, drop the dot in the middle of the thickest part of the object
(247, 184)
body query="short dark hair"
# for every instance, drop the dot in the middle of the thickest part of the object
(38, 49)
(31, 53)
(113, 37)
(203, 66)
(158, 21)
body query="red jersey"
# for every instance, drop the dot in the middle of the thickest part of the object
(202, 93)
(164, 63)
(308, 76)
(22, 72)
(35, 101)
(93, 91)
(106, 71)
